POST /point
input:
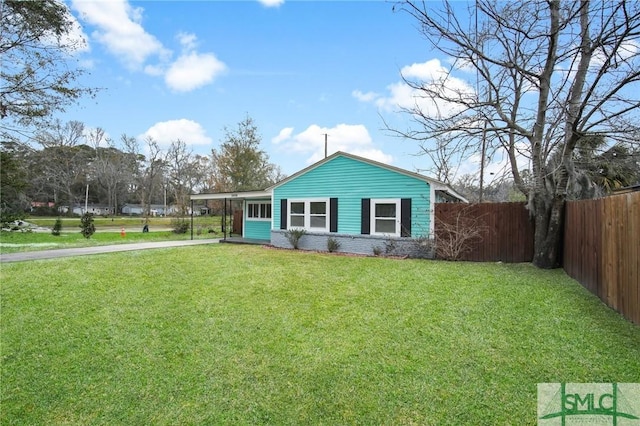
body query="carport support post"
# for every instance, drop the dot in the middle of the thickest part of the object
(192, 219)
(224, 221)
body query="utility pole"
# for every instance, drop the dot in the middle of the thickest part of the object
(86, 200)
(483, 153)
(484, 128)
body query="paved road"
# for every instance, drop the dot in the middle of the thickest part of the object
(82, 251)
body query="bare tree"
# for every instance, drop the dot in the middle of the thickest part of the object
(179, 160)
(113, 168)
(151, 171)
(201, 174)
(545, 74)
(64, 161)
(446, 155)
(39, 72)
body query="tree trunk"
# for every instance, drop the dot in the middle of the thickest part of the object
(549, 221)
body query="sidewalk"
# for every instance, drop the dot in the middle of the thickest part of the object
(83, 251)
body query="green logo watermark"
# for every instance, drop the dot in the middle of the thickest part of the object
(616, 404)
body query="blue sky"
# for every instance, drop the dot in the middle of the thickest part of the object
(187, 69)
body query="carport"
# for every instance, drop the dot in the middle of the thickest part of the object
(228, 198)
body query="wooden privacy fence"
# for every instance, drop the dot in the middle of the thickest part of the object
(237, 222)
(602, 250)
(506, 230)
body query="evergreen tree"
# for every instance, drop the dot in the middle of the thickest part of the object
(57, 227)
(86, 225)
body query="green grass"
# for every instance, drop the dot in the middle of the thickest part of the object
(107, 232)
(228, 334)
(126, 221)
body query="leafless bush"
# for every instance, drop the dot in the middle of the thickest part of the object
(457, 236)
(422, 247)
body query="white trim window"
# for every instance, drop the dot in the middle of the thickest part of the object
(258, 211)
(311, 214)
(385, 217)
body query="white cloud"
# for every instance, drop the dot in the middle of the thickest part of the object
(72, 42)
(187, 40)
(497, 166)
(154, 70)
(75, 41)
(188, 131)
(271, 3)
(283, 135)
(365, 97)
(119, 29)
(426, 71)
(462, 65)
(626, 50)
(351, 138)
(431, 75)
(193, 70)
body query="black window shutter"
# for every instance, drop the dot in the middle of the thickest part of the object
(405, 217)
(365, 220)
(283, 213)
(333, 215)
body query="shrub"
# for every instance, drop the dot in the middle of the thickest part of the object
(390, 247)
(333, 244)
(377, 251)
(87, 228)
(294, 235)
(57, 227)
(457, 235)
(423, 247)
(180, 225)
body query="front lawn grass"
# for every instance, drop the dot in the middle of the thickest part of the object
(135, 222)
(16, 241)
(227, 334)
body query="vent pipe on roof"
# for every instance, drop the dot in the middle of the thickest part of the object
(325, 144)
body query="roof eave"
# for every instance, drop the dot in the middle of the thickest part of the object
(240, 195)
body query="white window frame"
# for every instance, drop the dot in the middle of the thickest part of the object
(289, 213)
(307, 214)
(372, 209)
(260, 217)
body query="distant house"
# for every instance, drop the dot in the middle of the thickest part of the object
(96, 210)
(360, 203)
(79, 209)
(132, 209)
(42, 204)
(155, 209)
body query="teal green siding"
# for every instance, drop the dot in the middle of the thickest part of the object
(256, 229)
(350, 180)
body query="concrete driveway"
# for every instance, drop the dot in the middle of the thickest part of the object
(83, 251)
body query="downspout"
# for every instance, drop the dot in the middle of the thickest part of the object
(192, 219)
(432, 210)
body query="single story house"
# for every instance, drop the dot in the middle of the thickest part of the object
(363, 204)
(155, 209)
(94, 209)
